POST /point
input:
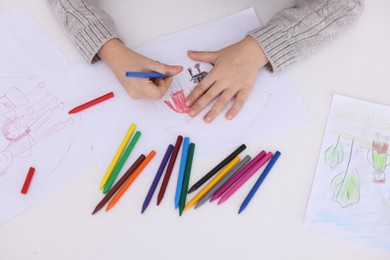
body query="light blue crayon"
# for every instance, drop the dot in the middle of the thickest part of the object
(182, 168)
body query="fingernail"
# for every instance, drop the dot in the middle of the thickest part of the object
(207, 119)
(191, 113)
(187, 103)
(229, 116)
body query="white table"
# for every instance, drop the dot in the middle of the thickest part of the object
(357, 64)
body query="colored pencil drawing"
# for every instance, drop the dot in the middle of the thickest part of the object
(334, 154)
(28, 117)
(350, 197)
(346, 185)
(173, 112)
(179, 99)
(379, 157)
(184, 84)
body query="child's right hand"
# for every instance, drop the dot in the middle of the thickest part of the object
(121, 59)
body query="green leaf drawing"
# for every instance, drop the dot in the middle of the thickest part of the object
(334, 155)
(346, 188)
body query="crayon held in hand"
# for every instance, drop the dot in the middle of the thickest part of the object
(148, 75)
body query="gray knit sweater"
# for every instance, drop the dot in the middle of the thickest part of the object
(289, 36)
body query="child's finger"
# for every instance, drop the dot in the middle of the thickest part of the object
(204, 56)
(164, 68)
(222, 101)
(239, 102)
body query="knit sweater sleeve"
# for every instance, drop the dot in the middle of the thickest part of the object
(296, 32)
(87, 25)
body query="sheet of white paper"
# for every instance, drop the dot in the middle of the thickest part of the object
(25, 47)
(350, 197)
(263, 106)
(274, 105)
(37, 130)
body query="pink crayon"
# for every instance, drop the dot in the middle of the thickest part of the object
(246, 177)
(237, 176)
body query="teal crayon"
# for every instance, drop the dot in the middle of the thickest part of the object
(186, 179)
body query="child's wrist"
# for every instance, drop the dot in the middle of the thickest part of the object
(256, 49)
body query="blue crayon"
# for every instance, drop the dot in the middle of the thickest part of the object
(150, 75)
(182, 168)
(259, 181)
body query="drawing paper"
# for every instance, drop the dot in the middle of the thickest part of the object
(273, 106)
(350, 197)
(36, 130)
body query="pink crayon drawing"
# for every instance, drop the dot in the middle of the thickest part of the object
(27, 118)
(179, 99)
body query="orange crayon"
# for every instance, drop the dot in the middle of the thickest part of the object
(130, 180)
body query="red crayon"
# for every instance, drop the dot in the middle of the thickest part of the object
(27, 181)
(169, 169)
(91, 103)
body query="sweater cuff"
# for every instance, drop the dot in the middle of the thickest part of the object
(90, 39)
(275, 43)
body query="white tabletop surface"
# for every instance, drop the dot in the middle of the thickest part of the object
(357, 64)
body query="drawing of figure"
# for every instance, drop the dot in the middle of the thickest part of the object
(27, 118)
(29, 94)
(379, 157)
(21, 144)
(199, 76)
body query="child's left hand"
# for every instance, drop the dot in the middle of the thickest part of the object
(234, 73)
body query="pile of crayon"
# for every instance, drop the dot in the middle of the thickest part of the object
(230, 174)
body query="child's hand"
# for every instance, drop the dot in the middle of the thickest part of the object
(121, 59)
(234, 73)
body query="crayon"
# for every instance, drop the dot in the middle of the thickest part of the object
(245, 177)
(157, 178)
(237, 176)
(211, 184)
(121, 162)
(180, 177)
(149, 75)
(130, 180)
(168, 173)
(119, 184)
(225, 178)
(217, 168)
(117, 155)
(91, 103)
(27, 181)
(259, 181)
(186, 178)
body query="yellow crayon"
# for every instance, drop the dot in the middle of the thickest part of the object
(211, 184)
(117, 155)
